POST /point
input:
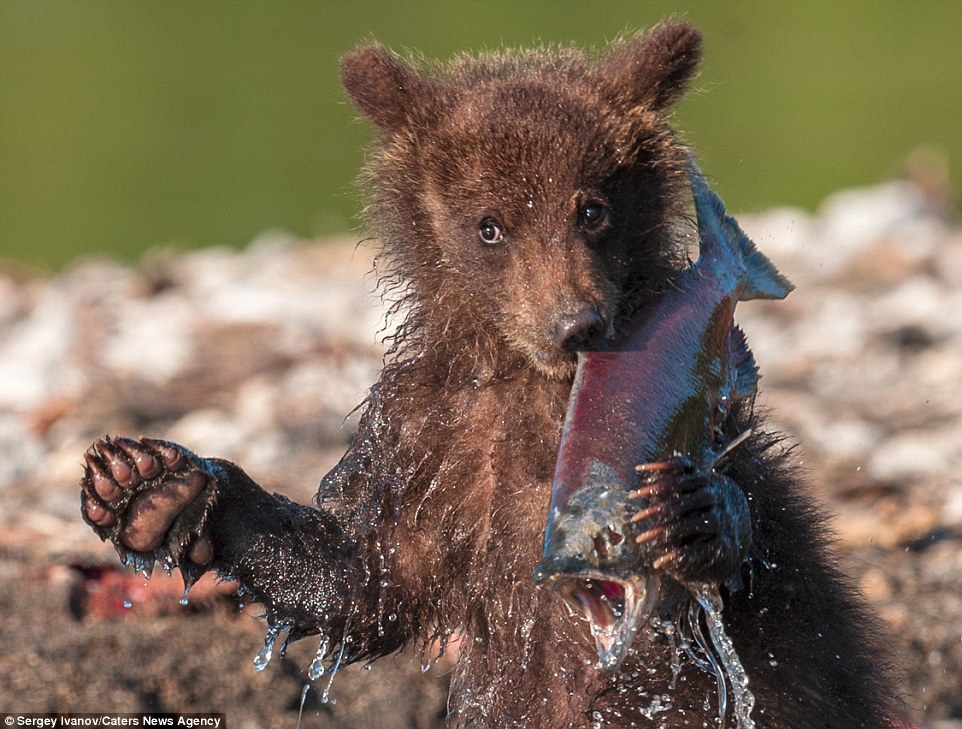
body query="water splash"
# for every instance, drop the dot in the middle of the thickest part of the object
(731, 666)
(659, 703)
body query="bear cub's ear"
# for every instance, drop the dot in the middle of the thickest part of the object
(385, 89)
(654, 69)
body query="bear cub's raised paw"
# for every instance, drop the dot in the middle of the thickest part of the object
(696, 523)
(151, 498)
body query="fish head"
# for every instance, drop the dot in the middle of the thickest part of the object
(614, 608)
(591, 560)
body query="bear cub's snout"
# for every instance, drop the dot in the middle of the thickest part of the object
(580, 330)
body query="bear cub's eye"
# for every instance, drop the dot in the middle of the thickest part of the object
(593, 214)
(490, 231)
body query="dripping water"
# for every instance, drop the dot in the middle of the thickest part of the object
(139, 563)
(675, 659)
(731, 666)
(316, 669)
(688, 648)
(382, 587)
(300, 712)
(325, 696)
(264, 656)
(709, 663)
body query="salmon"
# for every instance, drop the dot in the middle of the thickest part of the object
(657, 391)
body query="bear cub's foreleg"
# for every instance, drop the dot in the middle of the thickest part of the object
(158, 502)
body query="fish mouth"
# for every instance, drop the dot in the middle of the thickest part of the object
(612, 607)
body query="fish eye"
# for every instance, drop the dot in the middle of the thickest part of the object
(593, 214)
(490, 231)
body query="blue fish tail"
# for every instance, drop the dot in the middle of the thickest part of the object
(761, 279)
(743, 370)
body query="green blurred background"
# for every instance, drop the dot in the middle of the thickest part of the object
(127, 124)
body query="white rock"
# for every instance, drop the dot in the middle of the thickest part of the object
(851, 221)
(917, 302)
(210, 432)
(917, 456)
(152, 339)
(35, 361)
(21, 451)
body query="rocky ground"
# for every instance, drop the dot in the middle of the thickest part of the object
(257, 356)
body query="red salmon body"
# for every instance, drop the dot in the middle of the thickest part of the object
(657, 391)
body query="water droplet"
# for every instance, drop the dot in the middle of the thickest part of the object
(264, 655)
(128, 604)
(183, 600)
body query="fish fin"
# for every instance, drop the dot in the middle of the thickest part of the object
(762, 279)
(744, 378)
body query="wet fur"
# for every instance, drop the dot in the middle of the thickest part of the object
(433, 521)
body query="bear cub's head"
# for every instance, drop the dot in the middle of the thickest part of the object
(529, 197)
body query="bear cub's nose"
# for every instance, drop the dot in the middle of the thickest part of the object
(582, 330)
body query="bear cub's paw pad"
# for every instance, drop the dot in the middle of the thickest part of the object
(150, 498)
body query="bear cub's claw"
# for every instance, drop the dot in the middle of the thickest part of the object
(695, 523)
(151, 498)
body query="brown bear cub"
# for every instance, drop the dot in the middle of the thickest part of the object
(527, 203)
